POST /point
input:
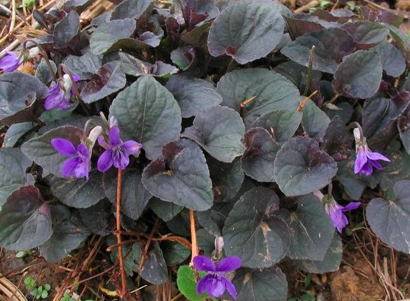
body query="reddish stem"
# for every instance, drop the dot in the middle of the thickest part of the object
(118, 234)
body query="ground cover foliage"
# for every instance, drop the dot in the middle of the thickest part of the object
(216, 94)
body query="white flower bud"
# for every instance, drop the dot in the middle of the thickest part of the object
(113, 121)
(33, 52)
(93, 136)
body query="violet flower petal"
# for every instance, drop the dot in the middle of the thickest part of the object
(64, 146)
(376, 156)
(105, 161)
(120, 158)
(82, 169)
(131, 146)
(203, 263)
(10, 62)
(103, 143)
(203, 284)
(230, 288)
(114, 136)
(351, 206)
(229, 264)
(69, 166)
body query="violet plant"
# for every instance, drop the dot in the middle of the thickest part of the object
(234, 123)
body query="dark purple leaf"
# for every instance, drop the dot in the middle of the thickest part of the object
(133, 66)
(66, 30)
(331, 44)
(181, 176)
(337, 141)
(366, 34)
(183, 57)
(109, 79)
(235, 32)
(259, 156)
(392, 59)
(301, 167)
(299, 27)
(359, 75)
(132, 9)
(25, 220)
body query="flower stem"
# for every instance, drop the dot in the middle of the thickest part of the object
(309, 75)
(118, 234)
(45, 57)
(194, 246)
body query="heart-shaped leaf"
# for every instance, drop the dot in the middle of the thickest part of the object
(390, 219)
(330, 263)
(186, 281)
(331, 45)
(134, 196)
(25, 220)
(366, 34)
(281, 123)
(68, 233)
(13, 165)
(13, 98)
(40, 150)
(197, 94)
(148, 113)
(66, 30)
(84, 66)
(235, 32)
(78, 193)
(109, 79)
(314, 121)
(109, 33)
(253, 233)
(219, 130)
(259, 156)
(181, 176)
(135, 67)
(130, 9)
(256, 285)
(337, 141)
(359, 75)
(270, 91)
(165, 210)
(310, 228)
(392, 59)
(301, 167)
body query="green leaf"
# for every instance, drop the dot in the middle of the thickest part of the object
(330, 262)
(390, 219)
(109, 33)
(15, 132)
(187, 284)
(235, 31)
(181, 176)
(331, 44)
(301, 167)
(271, 90)
(68, 233)
(259, 156)
(253, 233)
(78, 193)
(396, 170)
(109, 79)
(174, 252)
(219, 130)
(226, 178)
(310, 228)
(256, 285)
(13, 165)
(148, 113)
(337, 141)
(25, 221)
(353, 185)
(197, 94)
(134, 197)
(314, 121)
(359, 75)
(282, 123)
(40, 150)
(165, 210)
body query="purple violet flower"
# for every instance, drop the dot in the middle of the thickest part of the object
(116, 152)
(79, 162)
(365, 158)
(60, 94)
(12, 60)
(215, 282)
(335, 212)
